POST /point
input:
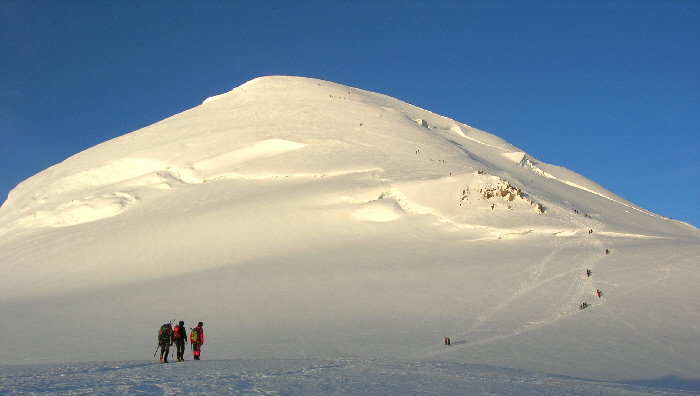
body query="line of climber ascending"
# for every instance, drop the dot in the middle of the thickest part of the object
(589, 272)
(598, 292)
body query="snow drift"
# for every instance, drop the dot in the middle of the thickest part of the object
(300, 218)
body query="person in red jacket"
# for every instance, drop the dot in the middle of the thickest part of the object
(180, 338)
(196, 340)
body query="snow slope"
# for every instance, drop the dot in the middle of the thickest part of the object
(299, 218)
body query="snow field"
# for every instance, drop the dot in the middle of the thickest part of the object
(304, 377)
(300, 219)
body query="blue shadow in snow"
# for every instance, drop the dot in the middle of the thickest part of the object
(669, 382)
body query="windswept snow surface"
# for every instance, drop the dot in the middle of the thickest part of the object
(302, 219)
(302, 377)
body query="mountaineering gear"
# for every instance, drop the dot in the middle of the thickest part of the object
(196, 340)
(165, 340)
(165, 333)
(180, 338)
(194, 335)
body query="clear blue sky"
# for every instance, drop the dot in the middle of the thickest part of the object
(608, 89)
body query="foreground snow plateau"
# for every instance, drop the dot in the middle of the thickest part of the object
(308, 377)
(302, 219)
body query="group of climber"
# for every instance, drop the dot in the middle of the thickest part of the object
(588, 274)
(598, 292)
(169, 336)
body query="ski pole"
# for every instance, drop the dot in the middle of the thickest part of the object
(157, 346)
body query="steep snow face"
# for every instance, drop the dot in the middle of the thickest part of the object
(304, 218)
(283, 127)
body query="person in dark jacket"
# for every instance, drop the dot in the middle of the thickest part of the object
(196, 340)
(165, 340)
(180, 338)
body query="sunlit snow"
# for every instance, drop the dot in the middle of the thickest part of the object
(302, 219)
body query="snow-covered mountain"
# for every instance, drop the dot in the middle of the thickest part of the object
(301, 218)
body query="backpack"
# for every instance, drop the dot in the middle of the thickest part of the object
(164, 333)
(178, 332)
(194, 335)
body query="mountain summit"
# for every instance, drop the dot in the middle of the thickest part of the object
(301, 218)
(275, 127)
